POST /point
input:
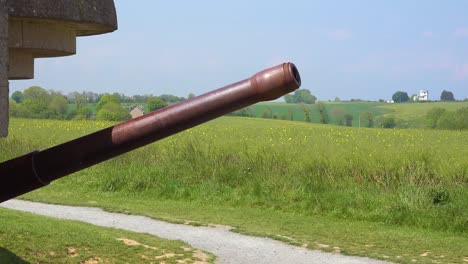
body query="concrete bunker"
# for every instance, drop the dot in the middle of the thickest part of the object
(31, 29)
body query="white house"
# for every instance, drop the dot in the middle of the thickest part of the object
(423, 95)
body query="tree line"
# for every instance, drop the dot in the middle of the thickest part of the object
(37, 102)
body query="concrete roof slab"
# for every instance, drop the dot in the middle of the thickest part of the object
(90, 17)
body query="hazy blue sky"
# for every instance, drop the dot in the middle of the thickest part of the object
(350, 49)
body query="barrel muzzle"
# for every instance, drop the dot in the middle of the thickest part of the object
(277, 81)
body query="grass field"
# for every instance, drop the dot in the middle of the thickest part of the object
(26, 238)
(282, 110)
(419, 110)
(413, 115)
(408, 115)
(388, 194)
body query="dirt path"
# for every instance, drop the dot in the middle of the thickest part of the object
(229, 247)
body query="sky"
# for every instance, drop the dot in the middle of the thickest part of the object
(366, 49)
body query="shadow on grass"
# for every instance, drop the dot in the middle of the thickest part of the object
(7, 256)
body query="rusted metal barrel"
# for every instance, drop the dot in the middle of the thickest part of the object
(37, 169)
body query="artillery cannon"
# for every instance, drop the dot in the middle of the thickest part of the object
(37, 169)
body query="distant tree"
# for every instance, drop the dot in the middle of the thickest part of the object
(126, 99)
(304, 96)
(306, 109)
(83, 114)
(71, 97)
(118, 96)
(433, 116)
(338, 114)
(447, 96)
(58, 106)
(36, 92)
(300, 96)
(400, 97)
(155, 103)
(388, 122)
(247, 112)
(169, 98)
(337, 99)
(105, 99)
(348, 119)
(289, 98)
(17, 97)
(369, 117)
(91, 97)
(324, 119)
(14, 109)
(141, 98)
(190, 95)
(113, 111)
(36, 101)
(80, 101)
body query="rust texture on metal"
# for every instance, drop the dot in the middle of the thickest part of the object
(37, 169)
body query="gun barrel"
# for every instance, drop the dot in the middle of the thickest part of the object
(39, 168)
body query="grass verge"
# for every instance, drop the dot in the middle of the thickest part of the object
(27, 238)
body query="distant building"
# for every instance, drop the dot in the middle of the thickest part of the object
(137, 112)
(423, 95)
(390, 101)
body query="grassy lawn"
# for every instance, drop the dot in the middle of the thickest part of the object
(400, 195)
(27, 238)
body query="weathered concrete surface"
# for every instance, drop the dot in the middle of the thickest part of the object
(3, 70)
(91, 16)
(48, 28)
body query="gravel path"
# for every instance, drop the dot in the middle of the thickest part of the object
(229, 247)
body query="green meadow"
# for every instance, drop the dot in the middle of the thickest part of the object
(283, 110)
(414, 114)
(408, 115)
(399, 195)
(419, 110)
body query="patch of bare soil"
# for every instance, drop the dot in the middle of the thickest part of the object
(95, 260)
(203, 257)
(72, 252)
(130, 242)
(168, 255)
